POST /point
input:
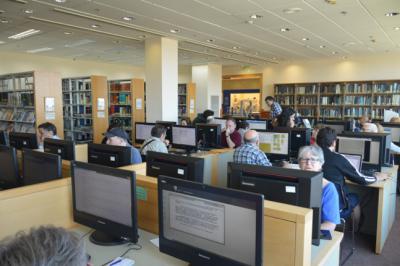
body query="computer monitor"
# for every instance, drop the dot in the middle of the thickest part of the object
(9, 175)
(184, 137)
(183, 167)
(4, 138)
(142, 131)
(109, 155)
(104, 199)
(209, 135)
(394, 130)
(354, 159)
(338, 126)
(64, 148)
(258, 124)
(275, 144)
(373, 147)
(39, 167)
(168, 125)
(207, 225)
(290, 186)
(21, 140)
(299, 137)
(220, 121)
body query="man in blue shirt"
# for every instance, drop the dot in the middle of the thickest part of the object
(276, 108)
(118, 137)
(249, 153)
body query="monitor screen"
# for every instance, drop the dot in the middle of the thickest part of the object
(23, 140)
(64, 148)
(354, 159)
(208, 135)
(290, 186)
(4, 138)
(178, 166)
(142, 131)
(274, 142)
(109, 155)
(184, 137)
(299, 137)
(360, 146)
(104, 199)
(257, 124)
(40, 167)
(394, 130)
(9, 176)
(199, 223)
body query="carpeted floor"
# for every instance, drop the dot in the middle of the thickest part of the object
(364, 255)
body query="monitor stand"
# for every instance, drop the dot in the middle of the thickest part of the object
(103, 239)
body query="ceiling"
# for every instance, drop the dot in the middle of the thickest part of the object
(209, 31)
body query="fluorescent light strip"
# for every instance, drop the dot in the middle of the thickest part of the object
(24, 34)
(44, 49)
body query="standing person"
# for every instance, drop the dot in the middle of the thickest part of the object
(206, 116)
(249, 152)
(230, 137)
(46, 130)
(118, 137)
(157, 141)
(276, 108)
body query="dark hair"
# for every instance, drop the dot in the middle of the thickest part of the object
(269, 98)
(208, 113)
(187, 119)
(114, 123)
(284, 117)
(243, 124)
(49, 127)
(158, 130)
(326, 137)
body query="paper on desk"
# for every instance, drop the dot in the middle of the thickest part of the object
(119, 261)
(155, 242)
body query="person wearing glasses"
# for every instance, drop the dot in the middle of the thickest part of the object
(45, 246)
(311, 158)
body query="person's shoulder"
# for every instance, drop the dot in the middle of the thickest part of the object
(330, 189)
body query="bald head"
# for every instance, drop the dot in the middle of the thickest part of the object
(251, 136)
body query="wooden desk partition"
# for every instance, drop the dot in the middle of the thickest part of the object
(81, 152)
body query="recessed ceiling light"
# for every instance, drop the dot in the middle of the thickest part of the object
(250, 22)
(60, 1)
(391, 14)
(24, 34)
(285, 29)
(4, 20)
(28, 11)
(95, 26)
(255, 16)
(210, 40)
(174, 30)
(126, 18)
(2, 11)
(322, 46)
(142, 36)
(343, 12)
(1, 42)
(334, 52)
(396, 28)
(274, 58)
(44, 49)
(292, 10)
(304, 39)
(235, 47)
(67, 32)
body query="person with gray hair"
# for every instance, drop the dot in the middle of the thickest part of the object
(157, 141)
(44, 246)
(311, 158)
(249, 152)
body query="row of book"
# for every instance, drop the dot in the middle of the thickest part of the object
(81, 98)
(387, 100)
(307, 112)
(283, 89)
(121, 98)
(181, 99)
(6, 84)
(17, 115)
(285, 100)
(182, 89)
(182, 111)
(330, 112)
(307, 100)
(331, 88)
(76, 85)
(120, 110)
(358, 88)
(307, 89)
(387, 87)
(125, 86)
(356, 111)
(331, 100)
(361, 100)
(125, 122)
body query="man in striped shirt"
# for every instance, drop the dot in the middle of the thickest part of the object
(249, 153)
(276, 108)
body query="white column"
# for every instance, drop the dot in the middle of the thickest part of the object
(208, 79)
(161, 72)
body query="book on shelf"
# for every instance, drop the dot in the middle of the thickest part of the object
(284, 89)
(306, 89)
(393, 87)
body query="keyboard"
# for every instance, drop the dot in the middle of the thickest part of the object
(368, 172)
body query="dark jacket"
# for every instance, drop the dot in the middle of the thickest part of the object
(199, 119)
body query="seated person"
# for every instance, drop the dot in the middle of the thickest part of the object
(230, 137)
(360, 123)
(243, 127)
(44, 246)
(185, 121)
(207, 115)
(286, 118)
(337, 167)
(311, 158)
(249, 152)
(395, 119)
(114, 123)
(314, 133)
(46, 130)
(118, 137)
(156, 142)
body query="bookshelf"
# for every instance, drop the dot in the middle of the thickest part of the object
(340, 100)
(186, 98)
(84, 121)
(22, 101)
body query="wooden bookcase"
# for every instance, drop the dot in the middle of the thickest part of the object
(83, 121)
(186, 97)
(22, 101)
(122, 99)
(340, 100)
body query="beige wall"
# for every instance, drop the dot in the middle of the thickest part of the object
(20, 62)
(184, 74)
(375, 67)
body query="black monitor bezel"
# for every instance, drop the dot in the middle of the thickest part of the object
(93, 221)
(69, 145)
(4, 136)
(140, 141)
(184, 146)
(32, 137)
(170, 247)
(264, 120)
(217, 126)
(17, 180)
(124, 150)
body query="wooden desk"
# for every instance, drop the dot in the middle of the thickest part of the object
(328, 252)
(381, 206)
